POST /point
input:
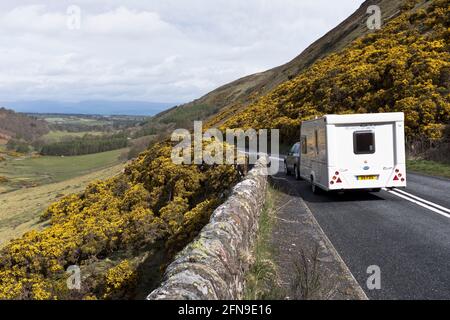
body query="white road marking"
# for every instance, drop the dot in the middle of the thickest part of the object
(422, 204)
(424, 201)
(399, 193)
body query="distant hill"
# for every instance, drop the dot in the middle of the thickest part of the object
(19, 126)
(244, 91)
(94, 107)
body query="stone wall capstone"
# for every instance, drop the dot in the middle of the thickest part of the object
(213, 266)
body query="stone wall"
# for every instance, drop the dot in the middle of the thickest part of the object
(214, 265)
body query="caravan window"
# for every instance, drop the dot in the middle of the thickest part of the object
(316, 138)
(364, 142)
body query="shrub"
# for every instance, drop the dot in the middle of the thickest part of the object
(119, 281)
(154, 200)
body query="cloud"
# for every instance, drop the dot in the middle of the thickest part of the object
(126, 22)
(33, 19)
(160, 50)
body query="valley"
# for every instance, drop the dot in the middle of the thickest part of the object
(30, 181)
(21, 209)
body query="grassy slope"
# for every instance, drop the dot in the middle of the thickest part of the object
(44, 170)
(20, 209)
(262, 281)
(429, 168)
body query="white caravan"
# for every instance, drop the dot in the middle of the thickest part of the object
(354, 152)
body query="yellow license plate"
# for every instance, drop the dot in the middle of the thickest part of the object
(365, 178)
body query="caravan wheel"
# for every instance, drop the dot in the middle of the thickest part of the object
(315, 189)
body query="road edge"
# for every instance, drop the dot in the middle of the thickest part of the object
(427, 175)
(335, 253)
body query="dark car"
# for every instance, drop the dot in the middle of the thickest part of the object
(292, 161)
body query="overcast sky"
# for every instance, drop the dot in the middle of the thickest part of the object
(153, 50)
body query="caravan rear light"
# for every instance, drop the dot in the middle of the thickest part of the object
(399, 176)
(336, 173)
(339, 180)
(334, 178)
(332, 182)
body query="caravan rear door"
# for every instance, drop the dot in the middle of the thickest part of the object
(362, 156)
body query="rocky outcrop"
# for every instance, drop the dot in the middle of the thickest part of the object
(214, 265)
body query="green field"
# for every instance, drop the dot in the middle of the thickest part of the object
(56, 136)
(33, 183)
(74, 120)
(33, 171)
(428, 167)
(20, 210)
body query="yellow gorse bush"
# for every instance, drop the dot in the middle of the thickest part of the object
(404, 67)
(119, 280)
(153, 200)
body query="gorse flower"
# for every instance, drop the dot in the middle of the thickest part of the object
(153, 200)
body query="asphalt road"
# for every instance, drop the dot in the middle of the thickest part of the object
(408, 241)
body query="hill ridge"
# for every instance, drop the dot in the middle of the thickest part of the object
(246, 89)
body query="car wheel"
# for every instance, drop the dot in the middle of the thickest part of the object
(297, 173)
(286, 170)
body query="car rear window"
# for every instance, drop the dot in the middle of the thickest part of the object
(364, 142)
